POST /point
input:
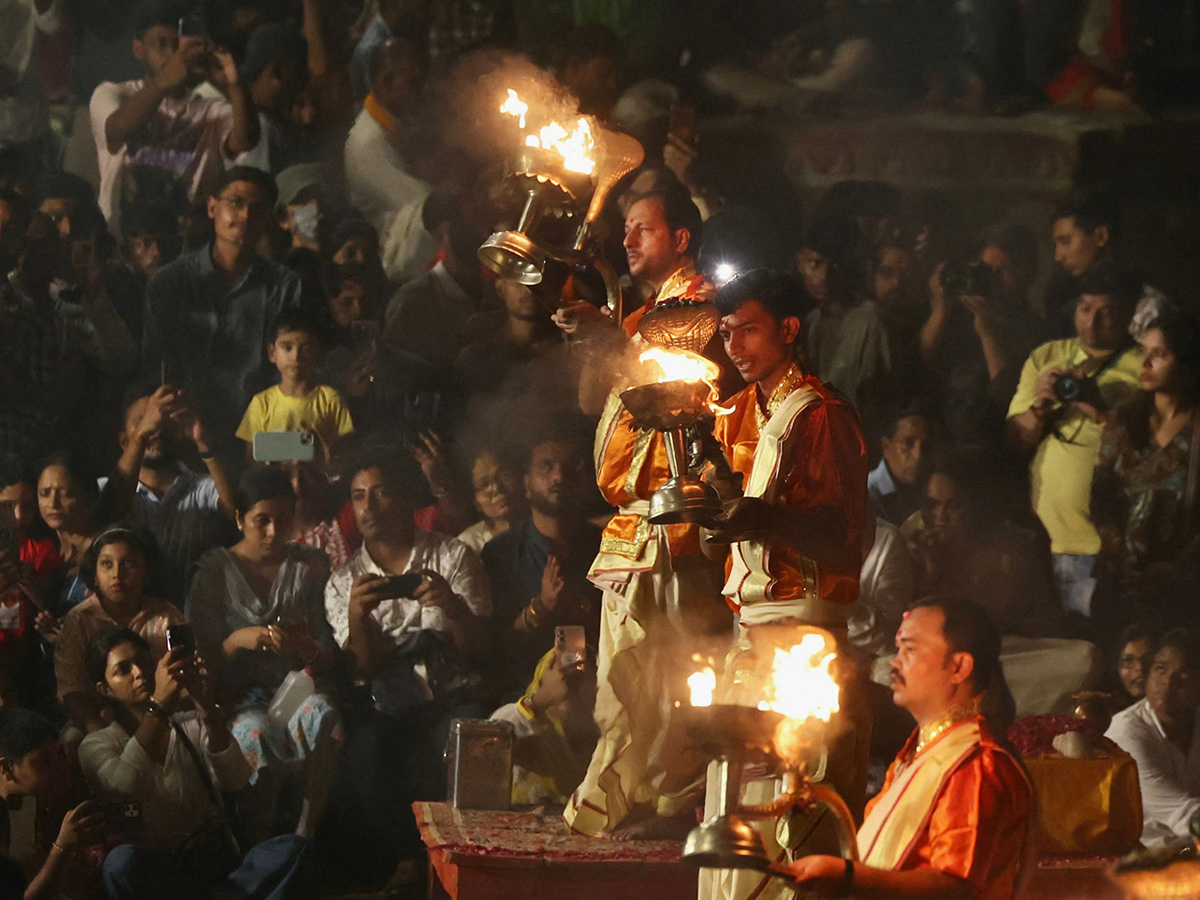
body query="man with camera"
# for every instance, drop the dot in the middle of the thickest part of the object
(1067, 390)
(980, 328)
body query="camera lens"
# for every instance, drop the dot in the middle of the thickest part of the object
(1068, 388)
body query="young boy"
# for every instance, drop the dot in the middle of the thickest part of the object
(298, 402)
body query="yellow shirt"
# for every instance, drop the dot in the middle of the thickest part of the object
(1061, 470)
(320, 410)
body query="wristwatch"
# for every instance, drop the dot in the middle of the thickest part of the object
(156, 709)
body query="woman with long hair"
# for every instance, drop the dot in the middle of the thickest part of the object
(1144, 493)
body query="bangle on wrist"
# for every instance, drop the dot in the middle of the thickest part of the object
(60, 848)
(531, 614)
(206, 455)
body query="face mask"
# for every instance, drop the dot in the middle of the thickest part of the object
(305, 219)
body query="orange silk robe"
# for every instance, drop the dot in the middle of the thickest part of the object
(826, 466)
(980, 820)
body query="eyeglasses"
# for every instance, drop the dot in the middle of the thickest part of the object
(241, 204)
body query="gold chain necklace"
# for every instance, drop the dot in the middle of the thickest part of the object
(790, 381)
(931, 731)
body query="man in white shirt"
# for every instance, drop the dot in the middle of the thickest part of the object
(412, 643)
(1160, 733)
(378, 177)
(159, 137)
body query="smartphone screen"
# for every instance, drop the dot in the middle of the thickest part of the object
(191, 25)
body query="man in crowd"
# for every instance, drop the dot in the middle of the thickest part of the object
(956, 810)
(379, 177)
(207, 312)
(51, 349)
(429, 315)
(414, 643)
(186, 512)
(978, 332)
(796, 509)
(1067, 388)
(159, 136)
(538, 568)
(1159, 732)
(894, 483)
(661, 596)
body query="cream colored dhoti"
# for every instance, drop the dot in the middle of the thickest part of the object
(653, 622)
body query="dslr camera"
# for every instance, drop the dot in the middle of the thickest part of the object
(974, 279)
(1068, 388)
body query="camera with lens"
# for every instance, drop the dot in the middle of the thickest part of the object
(974, 279)
(1068, 388)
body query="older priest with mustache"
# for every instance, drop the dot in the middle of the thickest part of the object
(955, 816)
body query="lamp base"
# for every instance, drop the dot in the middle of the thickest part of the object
(726, 842)
(684, 499)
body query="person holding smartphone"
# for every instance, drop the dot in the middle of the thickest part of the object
(158, 137)
(175, 765)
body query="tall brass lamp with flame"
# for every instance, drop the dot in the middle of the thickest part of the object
(554, 191)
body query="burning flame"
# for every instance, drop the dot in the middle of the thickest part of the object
(575, 147)
(684, 365)
(515, 106)
(802, 685)
(702, 684)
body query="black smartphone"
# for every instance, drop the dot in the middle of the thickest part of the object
(404, 586)
(181, 636)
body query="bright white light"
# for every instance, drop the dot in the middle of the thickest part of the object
(724, 272)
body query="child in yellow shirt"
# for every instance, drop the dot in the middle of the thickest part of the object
(298, 402)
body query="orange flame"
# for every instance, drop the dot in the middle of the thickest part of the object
(683, 365)
(703, 685)
(515, 106)
(575, 146)
(802, 684)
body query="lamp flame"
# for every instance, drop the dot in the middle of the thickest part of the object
(575, 146)
(684, 365)
(802, 684)
(515, 106)
(702, 685)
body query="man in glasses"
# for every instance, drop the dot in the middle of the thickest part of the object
(207, 312)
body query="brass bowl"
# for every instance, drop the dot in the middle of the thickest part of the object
(664, 405)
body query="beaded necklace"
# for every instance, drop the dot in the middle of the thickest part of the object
(931, 731)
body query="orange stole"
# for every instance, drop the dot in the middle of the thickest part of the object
(824, 464)
(631, 464)
(965, 807)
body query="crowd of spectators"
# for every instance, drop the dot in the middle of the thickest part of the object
(254, 237)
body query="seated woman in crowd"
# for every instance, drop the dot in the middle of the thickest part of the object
(498, 497)
(555, 729)
(1140, 502)
(175, 766)
(259, 614)
(118, 569)
(68, 499)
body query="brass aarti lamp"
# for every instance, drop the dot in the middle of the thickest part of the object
(553, 191)
(738, 736)
(674, 405)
